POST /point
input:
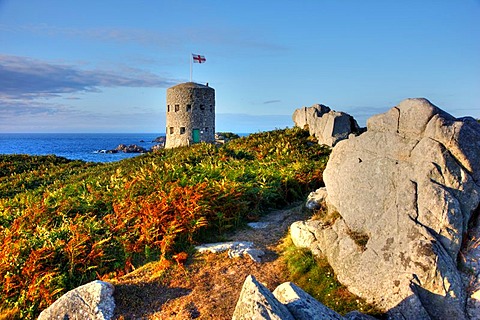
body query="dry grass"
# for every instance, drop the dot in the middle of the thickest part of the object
(327, 217)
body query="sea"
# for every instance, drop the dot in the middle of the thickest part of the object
(88, 147)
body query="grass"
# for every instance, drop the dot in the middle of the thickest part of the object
(315, 276)
(64, 223)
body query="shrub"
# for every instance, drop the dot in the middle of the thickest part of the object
(75, 222)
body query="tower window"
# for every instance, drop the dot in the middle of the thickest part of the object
(171, 130)
(182, 130)
(168, 108)
(211, 108)
(189, 107)
(206, 129)
(177, 107)
(202, 107)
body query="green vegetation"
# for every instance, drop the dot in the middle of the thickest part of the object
(64, 223)
(21, 173)
(315, 276)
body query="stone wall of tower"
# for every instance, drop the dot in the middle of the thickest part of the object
(190, 114)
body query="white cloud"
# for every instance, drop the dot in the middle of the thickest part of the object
(26, 78)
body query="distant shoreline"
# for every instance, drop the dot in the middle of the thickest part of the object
(77, 146)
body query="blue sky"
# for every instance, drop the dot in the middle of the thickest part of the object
(104, 66)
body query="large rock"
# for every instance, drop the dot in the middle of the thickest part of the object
(93, 301)
(257, 302)
(406, 191)
(328, 126)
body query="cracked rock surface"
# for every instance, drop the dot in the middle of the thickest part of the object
(236, 249)
(408, 192)
(93, 301)
(257, 302)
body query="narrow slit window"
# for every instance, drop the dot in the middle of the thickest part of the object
(177, 107)
(202, 107)
(171, 130)
(168, 108)
(182, 130)
(189, 107)
(206, 129)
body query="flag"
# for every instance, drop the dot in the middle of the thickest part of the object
(198, 58)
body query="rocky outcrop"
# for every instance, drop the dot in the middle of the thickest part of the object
(287, 302)
(132, 148)
(302, 305)
(407, 193)
(93, 301)
(328, 126)
(257, 302)
(160, 139)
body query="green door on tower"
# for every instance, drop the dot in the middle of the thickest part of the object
(196, 135)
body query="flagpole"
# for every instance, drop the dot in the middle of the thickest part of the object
(190, 58)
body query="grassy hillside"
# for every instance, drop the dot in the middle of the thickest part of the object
(64, 223)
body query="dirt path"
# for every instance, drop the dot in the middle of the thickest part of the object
(209, 286)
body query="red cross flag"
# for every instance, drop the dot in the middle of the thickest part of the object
(198, 58)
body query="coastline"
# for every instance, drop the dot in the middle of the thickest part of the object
(77, 146)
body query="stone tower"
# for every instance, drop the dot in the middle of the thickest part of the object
(190, 114)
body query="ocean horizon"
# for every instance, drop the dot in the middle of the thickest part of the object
(76, 146)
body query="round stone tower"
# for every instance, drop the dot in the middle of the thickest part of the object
(190, 114)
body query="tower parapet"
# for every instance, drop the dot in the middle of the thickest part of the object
(190, 114)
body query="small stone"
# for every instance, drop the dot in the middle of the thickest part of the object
(316, 199)
(255, 254)
(236, 249)
(223, 246)
(258, 225)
